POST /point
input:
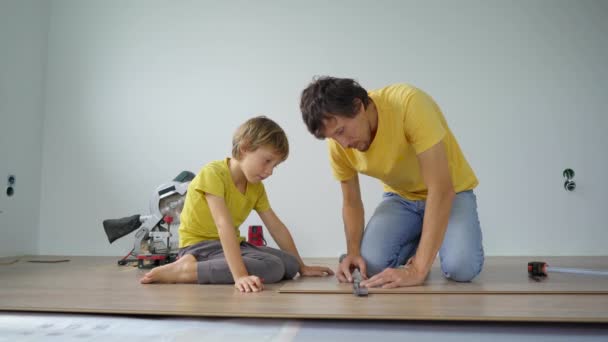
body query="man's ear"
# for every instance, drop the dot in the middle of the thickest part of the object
(358, 106)
(328, 120)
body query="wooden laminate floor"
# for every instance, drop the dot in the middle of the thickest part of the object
(501, 275)
(98, 285)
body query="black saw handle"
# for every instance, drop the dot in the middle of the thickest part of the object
(117, 228)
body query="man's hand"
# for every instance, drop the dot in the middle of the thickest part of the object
(347, 266)
(249, 283)
(315, 271)
(410, 275)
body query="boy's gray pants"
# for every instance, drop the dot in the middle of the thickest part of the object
(270, 264)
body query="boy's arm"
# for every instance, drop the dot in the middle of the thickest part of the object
(280, 233)
(225, 227)
(282, 236)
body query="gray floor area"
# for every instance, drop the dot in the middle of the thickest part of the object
(71, 327)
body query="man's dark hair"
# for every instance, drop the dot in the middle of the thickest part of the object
(330, 95)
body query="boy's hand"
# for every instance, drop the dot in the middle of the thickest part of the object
(315, 271)
(249, 283)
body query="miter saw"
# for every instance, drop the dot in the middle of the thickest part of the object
(153, 246)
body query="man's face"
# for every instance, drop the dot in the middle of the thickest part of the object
(352, 132)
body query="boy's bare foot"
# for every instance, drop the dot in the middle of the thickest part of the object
(181, 271)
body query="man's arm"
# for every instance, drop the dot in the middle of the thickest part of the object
(354, 221)
(352, 214)
(436, 175)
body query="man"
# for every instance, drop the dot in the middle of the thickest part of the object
(398, 135)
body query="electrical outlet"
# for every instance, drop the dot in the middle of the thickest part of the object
(10, 188)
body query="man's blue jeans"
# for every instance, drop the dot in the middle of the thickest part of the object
(393, 233)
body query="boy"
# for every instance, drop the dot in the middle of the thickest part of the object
(219, 199)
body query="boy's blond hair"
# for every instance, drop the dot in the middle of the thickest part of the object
(257, 132)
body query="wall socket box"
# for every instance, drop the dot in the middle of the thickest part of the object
(10, 186)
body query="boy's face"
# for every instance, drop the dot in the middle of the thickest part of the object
(258, 165)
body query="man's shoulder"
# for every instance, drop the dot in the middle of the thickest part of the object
(393, 91)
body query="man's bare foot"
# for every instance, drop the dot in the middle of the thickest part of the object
(181, 271)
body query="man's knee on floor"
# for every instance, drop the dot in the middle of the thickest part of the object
(377, 263)
(461, 269)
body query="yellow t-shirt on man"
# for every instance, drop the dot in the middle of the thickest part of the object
(196, 222)
(409, 123)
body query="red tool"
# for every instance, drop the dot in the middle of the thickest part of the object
(256, 236)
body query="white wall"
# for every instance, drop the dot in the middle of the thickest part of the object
(140, 90)
(23, 36)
